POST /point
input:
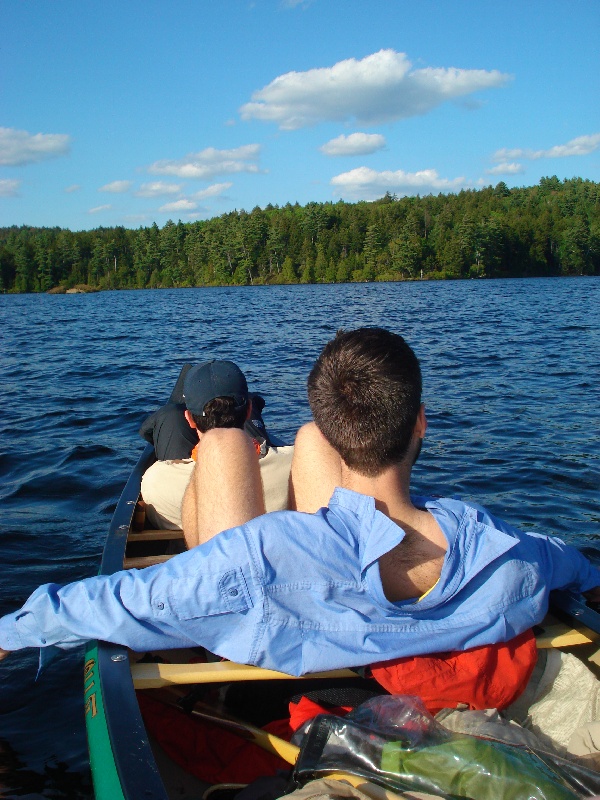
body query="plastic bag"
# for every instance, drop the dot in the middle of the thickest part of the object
(395, 742)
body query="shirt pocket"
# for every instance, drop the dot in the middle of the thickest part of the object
(209, 594)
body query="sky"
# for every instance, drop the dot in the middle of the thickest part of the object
(129, 112)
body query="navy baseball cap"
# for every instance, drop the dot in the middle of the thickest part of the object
(214, 379)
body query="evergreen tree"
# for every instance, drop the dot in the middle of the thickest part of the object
(307, 274)
(372, 248)
(320, 265)
(288, 273)
(24, 270)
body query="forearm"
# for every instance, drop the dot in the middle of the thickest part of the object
(572, 570)
(561, 564)
(114, 608)
(196, 598)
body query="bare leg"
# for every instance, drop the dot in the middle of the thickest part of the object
(226, 488)
(316, 470)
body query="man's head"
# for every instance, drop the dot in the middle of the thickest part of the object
(216, 395)
(365, 395)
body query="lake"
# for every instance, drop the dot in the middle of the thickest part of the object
(511, 384)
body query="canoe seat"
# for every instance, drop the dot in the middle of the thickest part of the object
(154, 535)
(157, 675)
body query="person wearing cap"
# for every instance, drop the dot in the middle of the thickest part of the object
(216, 396)
(169, 432)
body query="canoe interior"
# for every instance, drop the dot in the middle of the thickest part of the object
(121, 758)
(125, 762)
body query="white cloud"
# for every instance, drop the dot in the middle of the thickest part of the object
(212, 191)
(210, 162)
(158, 189)
(21, 147)
(379, 88)
(116, 187)
(580, 146)
(97, 209)
(367, 184)
(507, 168)
(9, 187)
(73, 188)
(178, 205)
(356, 144)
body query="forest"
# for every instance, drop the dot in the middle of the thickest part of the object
(550, 229)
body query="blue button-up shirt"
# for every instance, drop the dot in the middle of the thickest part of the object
(301, 592)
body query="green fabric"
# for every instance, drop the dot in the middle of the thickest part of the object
(474, 768)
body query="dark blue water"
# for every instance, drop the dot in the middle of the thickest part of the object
(512, 388)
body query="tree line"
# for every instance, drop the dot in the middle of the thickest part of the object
(549, 229)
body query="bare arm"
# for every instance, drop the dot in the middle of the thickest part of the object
(4, 653)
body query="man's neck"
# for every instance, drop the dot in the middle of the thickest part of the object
(412, 567)
(391, 489)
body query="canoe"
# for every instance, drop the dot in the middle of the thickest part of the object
(125, 760)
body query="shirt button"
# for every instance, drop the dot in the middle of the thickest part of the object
(160, 606)
(233, 592)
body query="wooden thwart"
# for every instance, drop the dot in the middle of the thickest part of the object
(155, 535)
(155, 676)
(560, 634)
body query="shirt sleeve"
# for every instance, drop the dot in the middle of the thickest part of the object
(566, 567)
(205, 597)
(561, 564)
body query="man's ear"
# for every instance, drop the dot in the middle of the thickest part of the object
(190, 419)
(421, 424)
(249, 412)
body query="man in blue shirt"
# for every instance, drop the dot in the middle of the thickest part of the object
(368, 574)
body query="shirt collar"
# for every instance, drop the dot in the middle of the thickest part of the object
(468, 554)
(472, 545)
(378, 534)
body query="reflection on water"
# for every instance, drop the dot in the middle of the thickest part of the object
(511, 372)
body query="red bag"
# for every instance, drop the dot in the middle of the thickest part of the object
(492, 676)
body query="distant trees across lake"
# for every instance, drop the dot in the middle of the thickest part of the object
(549, 229)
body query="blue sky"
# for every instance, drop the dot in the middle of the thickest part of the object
(129, 113)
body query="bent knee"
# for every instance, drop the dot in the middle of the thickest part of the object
(310, 442)
(308, 435)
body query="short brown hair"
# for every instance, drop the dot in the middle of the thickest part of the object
(365, 394)
(221, 412)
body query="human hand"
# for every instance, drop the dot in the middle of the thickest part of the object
(4, 653)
